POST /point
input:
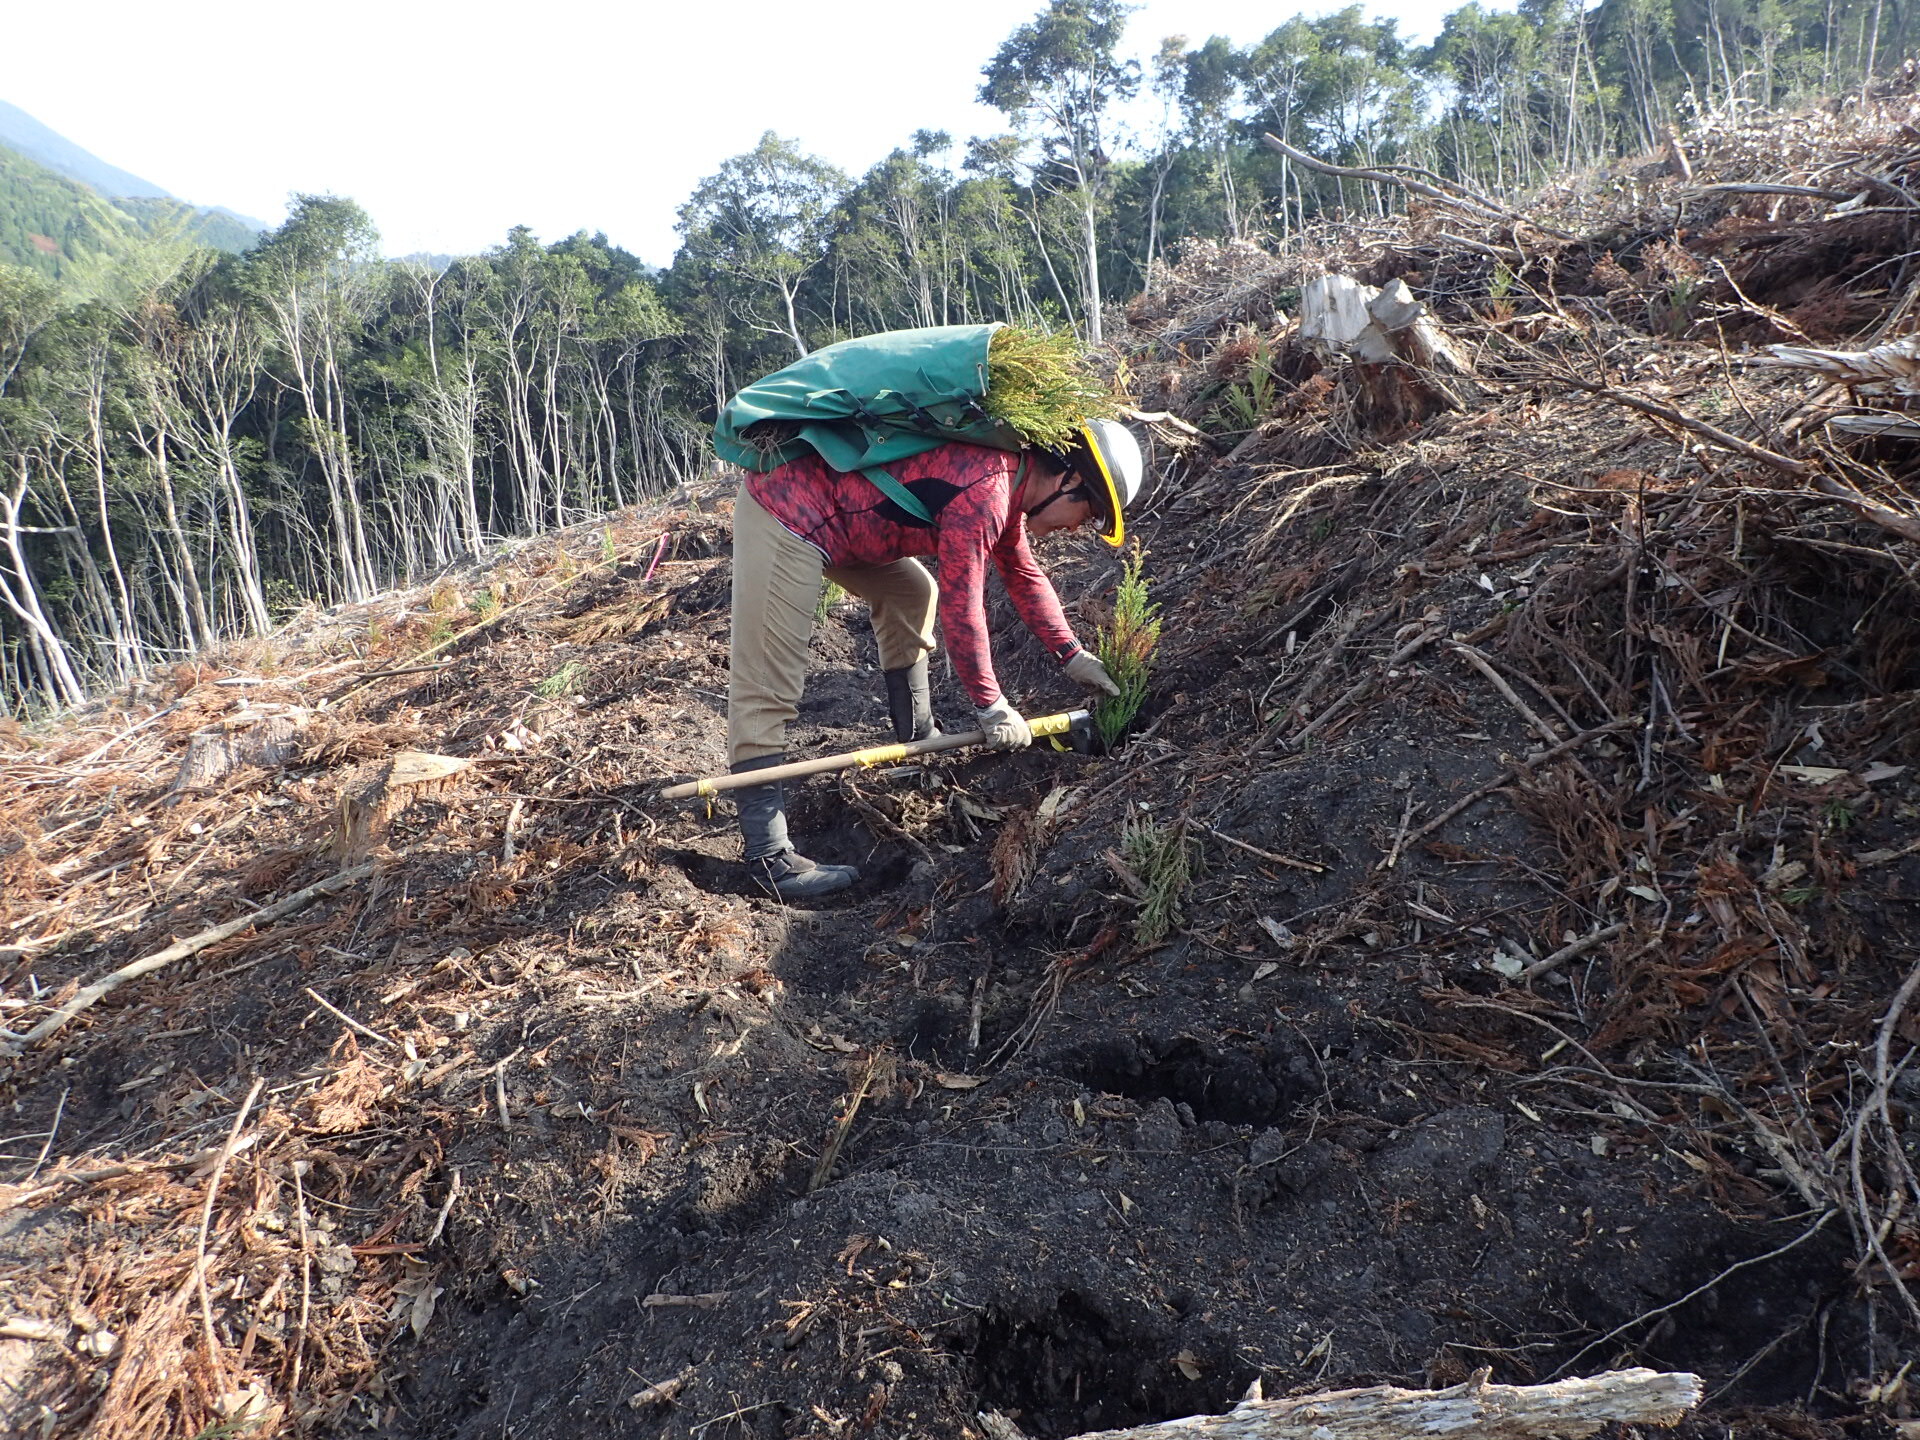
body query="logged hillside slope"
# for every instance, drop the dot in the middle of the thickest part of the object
(1530, 785)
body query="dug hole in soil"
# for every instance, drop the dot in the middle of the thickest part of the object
(1597, 1069)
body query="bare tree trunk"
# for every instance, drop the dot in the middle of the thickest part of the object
(1153, 222)
(59, 680)
(1090, 235)
(1873, 50)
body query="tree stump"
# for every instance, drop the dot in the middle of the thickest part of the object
(266, 736)
(376, 793)
(1402, 367)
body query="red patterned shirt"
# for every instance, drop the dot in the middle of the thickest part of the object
(971, 491)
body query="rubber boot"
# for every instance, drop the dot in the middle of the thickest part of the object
(910, 702)
(770, 857)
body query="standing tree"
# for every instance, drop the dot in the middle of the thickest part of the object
(760, 222)
(310, 279)
(1059, 76)
(1169, 77)
(1209, 96)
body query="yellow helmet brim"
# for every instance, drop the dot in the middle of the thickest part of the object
(1114, 532)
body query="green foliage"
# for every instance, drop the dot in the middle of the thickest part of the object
(831, 594)
(1042, 385)
(68, 232)
(565, 681)
(48, 221)
(1158, 855)
(1248, 403)
(1126, 648)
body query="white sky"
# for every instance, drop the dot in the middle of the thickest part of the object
(450, 123)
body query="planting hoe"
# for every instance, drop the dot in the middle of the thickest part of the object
(1074, 725)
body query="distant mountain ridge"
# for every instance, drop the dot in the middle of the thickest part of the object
(20, 131)
(63, 209)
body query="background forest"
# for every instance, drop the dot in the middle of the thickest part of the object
(194, 441)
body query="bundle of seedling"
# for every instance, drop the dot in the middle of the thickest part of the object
(881, 398)
(1041, 386)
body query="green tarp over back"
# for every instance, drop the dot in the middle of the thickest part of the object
(870, 401)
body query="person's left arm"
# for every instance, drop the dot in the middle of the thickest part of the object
(1033, 595)
(1038, 605)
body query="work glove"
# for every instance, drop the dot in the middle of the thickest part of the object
(1005, 727)
(1086, 671)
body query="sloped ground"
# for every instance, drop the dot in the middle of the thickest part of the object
(1539, 994)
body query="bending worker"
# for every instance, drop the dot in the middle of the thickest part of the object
(805, 521)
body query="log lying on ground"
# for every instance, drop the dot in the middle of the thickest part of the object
(1566, 1408)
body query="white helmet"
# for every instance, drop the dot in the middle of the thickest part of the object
(1109, 461)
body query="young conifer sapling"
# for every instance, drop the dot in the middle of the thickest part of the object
(1126, 648)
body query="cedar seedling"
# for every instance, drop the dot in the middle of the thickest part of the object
(1126, 648)
(1042, 386)
(831, 594)
(1157, 855)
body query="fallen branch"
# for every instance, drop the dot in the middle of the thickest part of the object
(1872, 858)
(1277, 859)
(91, 995)
(1478, 660)
(348, 1021)
(78, 1179)
(1453, 195)
(1567, 1408)
(1572, 950)
(1692, 424)
(1701, 1289)
(1342, 702)
(660, 1394)
(403, 670)
(494, 619)
(823, 1172)
(1754, 187)
(214, 1354)
(880, 822)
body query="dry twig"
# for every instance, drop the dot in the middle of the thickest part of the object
(91, 995)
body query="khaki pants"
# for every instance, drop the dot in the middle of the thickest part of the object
(776, 586)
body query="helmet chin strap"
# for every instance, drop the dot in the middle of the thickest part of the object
(1059, 489)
